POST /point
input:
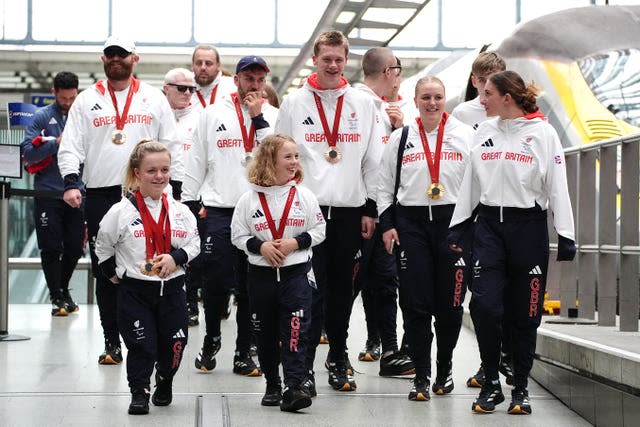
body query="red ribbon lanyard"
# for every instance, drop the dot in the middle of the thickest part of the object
(213, 97)
(332, 138)
(277, 234)
(433, 163)
(122, 120)
(157, 237)
(247, 139)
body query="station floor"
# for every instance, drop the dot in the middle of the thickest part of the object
(53, 379)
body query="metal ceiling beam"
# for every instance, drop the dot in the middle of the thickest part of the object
(358, 9)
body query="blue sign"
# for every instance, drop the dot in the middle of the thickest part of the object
(20, 113)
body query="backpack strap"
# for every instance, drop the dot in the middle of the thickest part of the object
(403, 142)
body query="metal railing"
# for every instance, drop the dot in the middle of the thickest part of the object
(18, 263)
(604, 185)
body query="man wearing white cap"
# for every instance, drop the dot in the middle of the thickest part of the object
(105, 122)
(223, 141)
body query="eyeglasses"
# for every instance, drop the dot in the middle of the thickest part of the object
(398, 69)
(117, 51)
(183, 88)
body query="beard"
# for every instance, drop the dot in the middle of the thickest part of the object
(204, 80)
(118, 70)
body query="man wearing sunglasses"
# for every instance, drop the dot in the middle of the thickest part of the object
(179, 86)
(212, 84)
(105, 122)
(223, 142)
(377, 275)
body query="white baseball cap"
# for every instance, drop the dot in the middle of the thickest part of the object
(125, 44)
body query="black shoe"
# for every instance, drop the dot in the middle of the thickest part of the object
(396, 364)
(71, 306)
(243, 364)
(444, 380)
(505, 368)
(346, 360)
(419, 390)
(339, 379)
(477, 380)
(309, 384)
(294, 399)
(139, 402)
(371, 351)
(193, 315)
(163, 394)
(58, 306)
(490, 396)
(206, 360)
(112, 354)
(272, 396)
(519, 402)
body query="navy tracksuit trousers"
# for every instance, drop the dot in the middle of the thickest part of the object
(154, 326)
(510, 261)
(98, 202)
(333, 261)
(225, 270)
(377, 280)
(432, 283)
(281, 316)
(60, 230)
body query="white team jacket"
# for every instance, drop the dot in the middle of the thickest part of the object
(349, 182)
(214, 167)
(471, 112)
(249, 220)
(226, 87)
(87, 134)
(414, 174)
(121, 234)
(517, 163)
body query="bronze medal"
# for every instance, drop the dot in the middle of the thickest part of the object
(147, 269)
(333, 155)
(118, 137)
(435, 191)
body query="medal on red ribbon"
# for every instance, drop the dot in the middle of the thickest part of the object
(333, 154)
(277, 233)
(157, 234)
(435, 190)
(119, 136)
(247, 137)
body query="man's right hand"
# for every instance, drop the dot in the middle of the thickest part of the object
(73, 197)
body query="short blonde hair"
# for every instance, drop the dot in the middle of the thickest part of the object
(262, 169)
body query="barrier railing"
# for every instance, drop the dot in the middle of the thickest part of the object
(604, 181)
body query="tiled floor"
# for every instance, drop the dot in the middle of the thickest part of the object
(53, 379)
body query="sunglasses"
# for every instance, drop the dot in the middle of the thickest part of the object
(112, 52)
(183, 88)
(397, 68)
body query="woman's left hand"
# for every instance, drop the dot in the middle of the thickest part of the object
(164, 265)
(286, 246)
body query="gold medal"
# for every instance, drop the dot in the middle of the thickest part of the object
(118, 137)
(435, 191)
(247, 159)
(333, 155)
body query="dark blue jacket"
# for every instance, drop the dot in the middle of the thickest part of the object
(52, 122)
